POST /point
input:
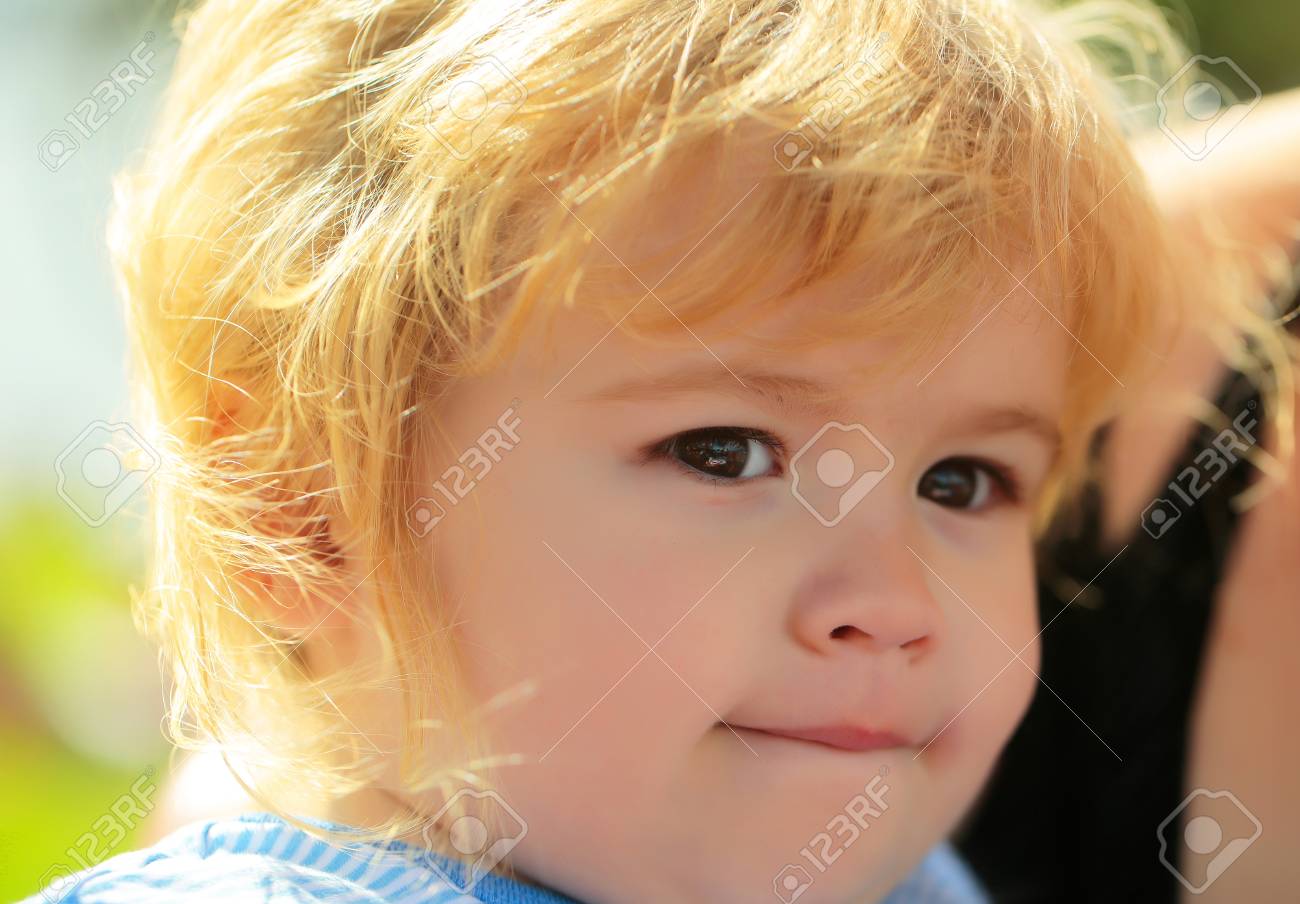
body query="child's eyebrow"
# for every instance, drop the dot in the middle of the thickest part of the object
(1011, 419)
(793, 395)
(784, 393)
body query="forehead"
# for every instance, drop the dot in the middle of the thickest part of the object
(995, 349)
(996, 328)
(651, 225)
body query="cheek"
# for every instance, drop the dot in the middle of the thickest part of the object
(554, 586)
(1004, 622)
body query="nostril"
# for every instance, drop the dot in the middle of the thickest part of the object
(852, 632)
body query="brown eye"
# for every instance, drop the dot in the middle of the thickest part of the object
(960, 483)
(723, 453)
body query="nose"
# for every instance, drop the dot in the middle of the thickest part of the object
(874, 605)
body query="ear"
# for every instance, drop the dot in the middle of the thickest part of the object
(328, 603)
(319, 534)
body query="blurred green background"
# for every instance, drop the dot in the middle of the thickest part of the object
(80, 694)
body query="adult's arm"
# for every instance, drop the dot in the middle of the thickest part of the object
(1244, 736)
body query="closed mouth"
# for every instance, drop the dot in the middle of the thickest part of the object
(840, 737)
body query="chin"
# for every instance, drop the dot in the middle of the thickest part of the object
(790, 875)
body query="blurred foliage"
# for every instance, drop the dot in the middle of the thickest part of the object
(1260, 35)
(79, 694)
(49, 796)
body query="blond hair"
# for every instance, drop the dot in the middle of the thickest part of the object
(314, 244)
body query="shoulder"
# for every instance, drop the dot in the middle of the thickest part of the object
(258, 859)
(942, 878)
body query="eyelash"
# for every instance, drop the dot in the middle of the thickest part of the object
(1005, 480)
(663, 451)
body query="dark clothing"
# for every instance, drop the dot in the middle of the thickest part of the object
(1065, 819)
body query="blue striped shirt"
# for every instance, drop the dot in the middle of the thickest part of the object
(260, 859)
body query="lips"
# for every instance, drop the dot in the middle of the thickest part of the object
(841, 737)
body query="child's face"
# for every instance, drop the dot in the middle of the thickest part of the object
(674, 625)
